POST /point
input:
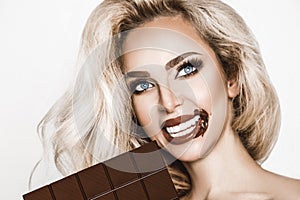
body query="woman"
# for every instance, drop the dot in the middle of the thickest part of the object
(187, 74)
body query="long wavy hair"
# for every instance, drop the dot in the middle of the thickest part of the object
(78, 136)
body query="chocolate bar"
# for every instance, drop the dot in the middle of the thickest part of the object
(140, 174)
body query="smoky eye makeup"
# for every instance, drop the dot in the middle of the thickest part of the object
(188, 67)
(139, 86)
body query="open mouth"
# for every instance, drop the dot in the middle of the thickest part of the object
(186, 127)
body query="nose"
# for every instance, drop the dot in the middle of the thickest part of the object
(168, 99)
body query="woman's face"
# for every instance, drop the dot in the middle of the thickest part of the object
(178, 90)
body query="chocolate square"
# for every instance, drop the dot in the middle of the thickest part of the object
(94, 180)
(148, 159)
(109, 196)
(160, 186)
(134, 191)
(121, 169)
(67, 189)
(39, 194)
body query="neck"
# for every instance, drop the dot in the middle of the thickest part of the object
(226, 168)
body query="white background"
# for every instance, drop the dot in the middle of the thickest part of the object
(38, 45)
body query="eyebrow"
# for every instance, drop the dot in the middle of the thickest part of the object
(137, 74)
(179, 59)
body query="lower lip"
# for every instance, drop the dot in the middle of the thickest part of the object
(183, 139)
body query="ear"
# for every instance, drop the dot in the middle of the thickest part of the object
(233, 88)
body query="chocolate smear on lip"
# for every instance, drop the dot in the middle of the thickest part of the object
(199, 130)
(203, 121)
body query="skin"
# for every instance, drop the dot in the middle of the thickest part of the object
(219, 165)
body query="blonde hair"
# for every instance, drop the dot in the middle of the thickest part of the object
(257, 113)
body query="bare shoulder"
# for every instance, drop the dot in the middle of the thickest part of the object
(283, 187)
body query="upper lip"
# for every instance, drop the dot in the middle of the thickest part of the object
(176, 121)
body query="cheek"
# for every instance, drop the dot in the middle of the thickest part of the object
(195, 91)
(199, 93)
(146, 109)
(142, 108)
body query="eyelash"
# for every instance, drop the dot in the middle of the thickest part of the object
(195, 63)
(140, 83)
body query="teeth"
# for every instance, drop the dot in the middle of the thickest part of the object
(183, 128)
(182, 133)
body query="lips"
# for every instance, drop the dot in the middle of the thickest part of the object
(186, 127)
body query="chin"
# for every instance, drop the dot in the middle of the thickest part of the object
(186, 152)
(193, 152)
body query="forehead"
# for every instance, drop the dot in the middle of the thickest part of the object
(159, 41)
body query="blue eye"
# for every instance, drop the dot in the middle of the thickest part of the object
(143, 86)
(186, 70)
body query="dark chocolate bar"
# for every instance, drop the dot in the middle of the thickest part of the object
(140, 174)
